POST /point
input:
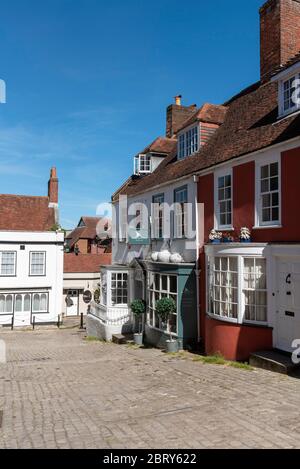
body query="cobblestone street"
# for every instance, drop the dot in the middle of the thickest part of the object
(58, 390)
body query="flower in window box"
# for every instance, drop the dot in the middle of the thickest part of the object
(245, 235)
(215, 237)
(227, 238)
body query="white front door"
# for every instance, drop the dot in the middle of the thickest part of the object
(72, 304)
(288, 305)
(22, 310)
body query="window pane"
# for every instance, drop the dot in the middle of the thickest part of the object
(27, 303)
(2, 303)
(18, 304)
(173, 284)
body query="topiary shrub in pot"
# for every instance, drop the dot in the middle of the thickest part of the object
(164, 308)
(138, 307)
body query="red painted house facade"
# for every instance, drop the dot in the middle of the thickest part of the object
(250, 292)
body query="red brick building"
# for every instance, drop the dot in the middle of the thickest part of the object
(248, 177)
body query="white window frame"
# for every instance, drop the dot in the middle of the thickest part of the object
(241, 319)
(161, 293)
(188, 141)
(11, 311)
(258, 195)
(31, 264)
(180, 230)
(40, 310)
(295, 75)
(143, 164)
(15, 264)
(158, 201)
(110, 280)
(217, 175)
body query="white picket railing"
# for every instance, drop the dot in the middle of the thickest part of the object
(111, 315)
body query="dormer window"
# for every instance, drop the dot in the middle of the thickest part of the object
(142, 164)
(289, 94)
(188, 142)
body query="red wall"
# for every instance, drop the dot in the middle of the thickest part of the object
(235, 341)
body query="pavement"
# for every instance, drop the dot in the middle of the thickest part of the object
(59, 390)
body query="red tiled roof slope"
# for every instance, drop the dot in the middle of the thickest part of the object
(25, 213)
(85, 263)
(210, 113)
(161, 145)
(251, 123)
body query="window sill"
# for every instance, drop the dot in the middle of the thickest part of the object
(224, 228)
(237, 323)
(266, 227)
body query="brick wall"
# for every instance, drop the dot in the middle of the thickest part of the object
(280, 34)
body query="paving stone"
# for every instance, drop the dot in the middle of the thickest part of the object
(58, 390)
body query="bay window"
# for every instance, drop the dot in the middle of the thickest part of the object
(8, 263)
(160, 286)
(238, 288)
(119, 284)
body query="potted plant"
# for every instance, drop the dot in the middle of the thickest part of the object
(164, 308)
(245, 235)
(138, 307)
(227, 237)
(215, 237)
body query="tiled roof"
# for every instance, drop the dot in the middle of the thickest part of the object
(161, 145)
(210, 113)
(251, 123)
(85, 263)
(25, 213)
(88, 231)
(288, 64)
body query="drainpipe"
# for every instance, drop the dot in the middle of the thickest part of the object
(196, 180)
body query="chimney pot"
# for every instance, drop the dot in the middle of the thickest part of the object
(178, 100)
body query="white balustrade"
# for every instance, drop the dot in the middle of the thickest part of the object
(111, 315)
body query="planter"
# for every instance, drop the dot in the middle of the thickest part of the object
(176, 258)
(245, 240)
(227, 240)
(154, 256)
(216, 241)
(138, 339)
(164, 256)
(172, 346)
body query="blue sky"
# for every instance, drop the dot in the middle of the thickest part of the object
(88, 83)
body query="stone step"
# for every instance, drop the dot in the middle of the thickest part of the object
(274, 360)
(121, 338)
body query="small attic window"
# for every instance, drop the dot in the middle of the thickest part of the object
(188, 142)
(289, 95)
(142, 164)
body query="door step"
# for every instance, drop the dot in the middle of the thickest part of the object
(122, 338)
(274, 360)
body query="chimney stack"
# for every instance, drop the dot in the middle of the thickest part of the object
(279, 35)
(53, 187)
(176, 115)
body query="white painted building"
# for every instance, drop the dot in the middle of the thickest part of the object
(31, 258)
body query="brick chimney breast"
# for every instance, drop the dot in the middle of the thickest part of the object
(53, 187)
(279, 35)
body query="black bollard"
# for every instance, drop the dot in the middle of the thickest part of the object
(81, 320)
(58, 321)
(12, 324)
(33, 323)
